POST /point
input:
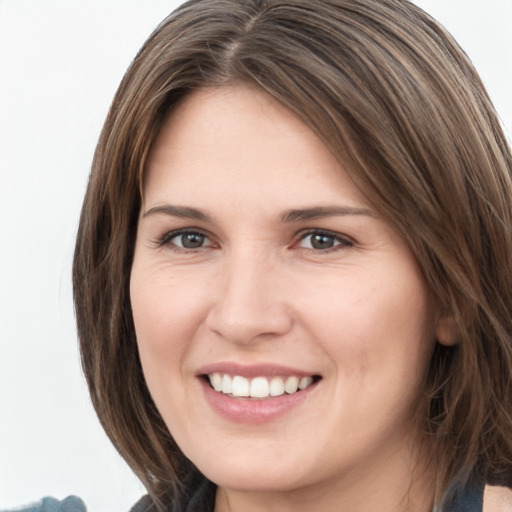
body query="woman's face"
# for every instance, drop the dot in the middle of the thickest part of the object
(260, 267)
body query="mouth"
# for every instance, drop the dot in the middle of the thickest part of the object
(258, 387)
(256, 393)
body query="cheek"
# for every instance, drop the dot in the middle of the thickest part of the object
(167, 314)
(367, 307)
(376, 328)
(163, 308)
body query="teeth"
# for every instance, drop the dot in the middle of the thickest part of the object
(291, 385)
(227, 384)
(305, 382)
(258, 387)
(276, 386)
(240, 386)
(216, 381)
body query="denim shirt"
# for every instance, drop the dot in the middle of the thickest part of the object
(470, 500)
(70, 504)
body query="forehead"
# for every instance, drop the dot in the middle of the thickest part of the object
(239, 138)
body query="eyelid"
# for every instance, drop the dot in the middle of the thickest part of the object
(166, 238)
(344, 240)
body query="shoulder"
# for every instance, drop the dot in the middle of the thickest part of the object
(497, 499)
(70, 504)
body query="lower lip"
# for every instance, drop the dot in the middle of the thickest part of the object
(240, 410)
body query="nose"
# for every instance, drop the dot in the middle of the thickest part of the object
(250, 303)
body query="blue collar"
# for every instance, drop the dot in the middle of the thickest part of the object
(470, 499)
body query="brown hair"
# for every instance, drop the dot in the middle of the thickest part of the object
(399, 103)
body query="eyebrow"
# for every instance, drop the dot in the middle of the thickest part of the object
(179, 211)
(323, 211)
(295, 215)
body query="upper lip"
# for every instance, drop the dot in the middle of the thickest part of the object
(253, 370)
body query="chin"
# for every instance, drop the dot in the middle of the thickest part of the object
(254, 480)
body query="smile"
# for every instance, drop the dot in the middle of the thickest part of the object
(260, 387)
(258, 393)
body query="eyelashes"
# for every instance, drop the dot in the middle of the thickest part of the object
(185, 239)
(321, 240)
(313, 240)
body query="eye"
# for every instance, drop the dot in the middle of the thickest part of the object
(187, 240)
(323, 241)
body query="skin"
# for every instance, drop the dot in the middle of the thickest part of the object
(258, 291)
(497, 499)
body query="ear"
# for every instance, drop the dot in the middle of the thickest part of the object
(446, 331)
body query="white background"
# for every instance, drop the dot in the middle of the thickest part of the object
(60, 64)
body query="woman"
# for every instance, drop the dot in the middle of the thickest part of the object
(292, 271)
